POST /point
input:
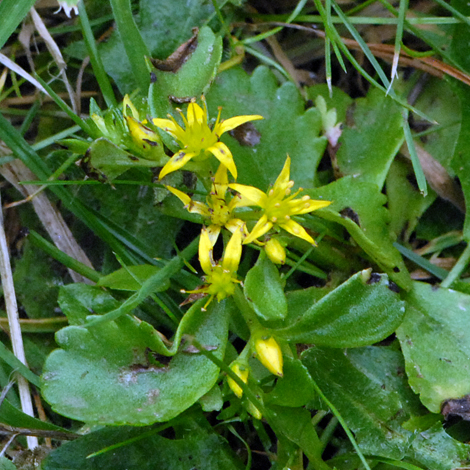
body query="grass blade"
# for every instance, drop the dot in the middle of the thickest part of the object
(95, 59)
(134, 45)
(12, 13)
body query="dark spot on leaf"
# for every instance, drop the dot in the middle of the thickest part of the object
(396, 269)
(151, 142)
(133, 158)
(153, 77)
(153, 358)
(309, 104)
(246, 135)
(179, 57)
(393, 287)
(374, 278)
(180, 99)
(348, 213)
(457, 407)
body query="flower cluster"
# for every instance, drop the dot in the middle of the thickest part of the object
(198, 140)
(242, 214)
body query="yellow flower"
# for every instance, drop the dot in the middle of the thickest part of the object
(241, 371)
(269, 354)
(220, 278)
(278, 205)
(216, 209)
(198, 140)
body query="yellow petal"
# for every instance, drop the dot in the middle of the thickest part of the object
(177, 161)
(233, 252)
(297, 230)
(165, 124)
(221, 178)
(255, 195)
(195, 114)
(283, 177)
(223, 154)
(194, 207)
(213, 231)
(262, 226)
(183, 197)
(205, 252)
(231, 123)
(127, 103)
(304, 206)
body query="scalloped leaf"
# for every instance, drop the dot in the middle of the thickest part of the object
(371, 138)
(359, 207)
(118, 376)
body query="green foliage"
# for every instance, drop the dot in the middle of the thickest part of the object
(338, 356)
(434, 344)
(264, 289)
(361, 311)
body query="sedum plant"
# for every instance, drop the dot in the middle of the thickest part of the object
(251, 298)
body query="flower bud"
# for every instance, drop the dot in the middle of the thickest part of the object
(241, 371)
(269, 354)
(275, 251)
(253, 410)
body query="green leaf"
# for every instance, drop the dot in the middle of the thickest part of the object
(294, 389)
(368, 388)
(435, 449)
(78, 301)
(7, 356)
(296, 425)
(112, 161)
(12, 14)
(191, 79)
(263, 289)
(361, 311)
(365, 218)
(371, 139)
(144, 449)
(119, 377)
(405, 203)
(287, 128)
(6, 464)
(128, 278)
(164, 26)
(435, 344)
(14, 417)
(36, 282)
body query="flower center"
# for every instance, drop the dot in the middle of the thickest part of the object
(220, 282)
(220, 213)
(198, 138)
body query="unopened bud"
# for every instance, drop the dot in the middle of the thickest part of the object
(269, 354)
(253, 410)
(275, 251)
(242, 372)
